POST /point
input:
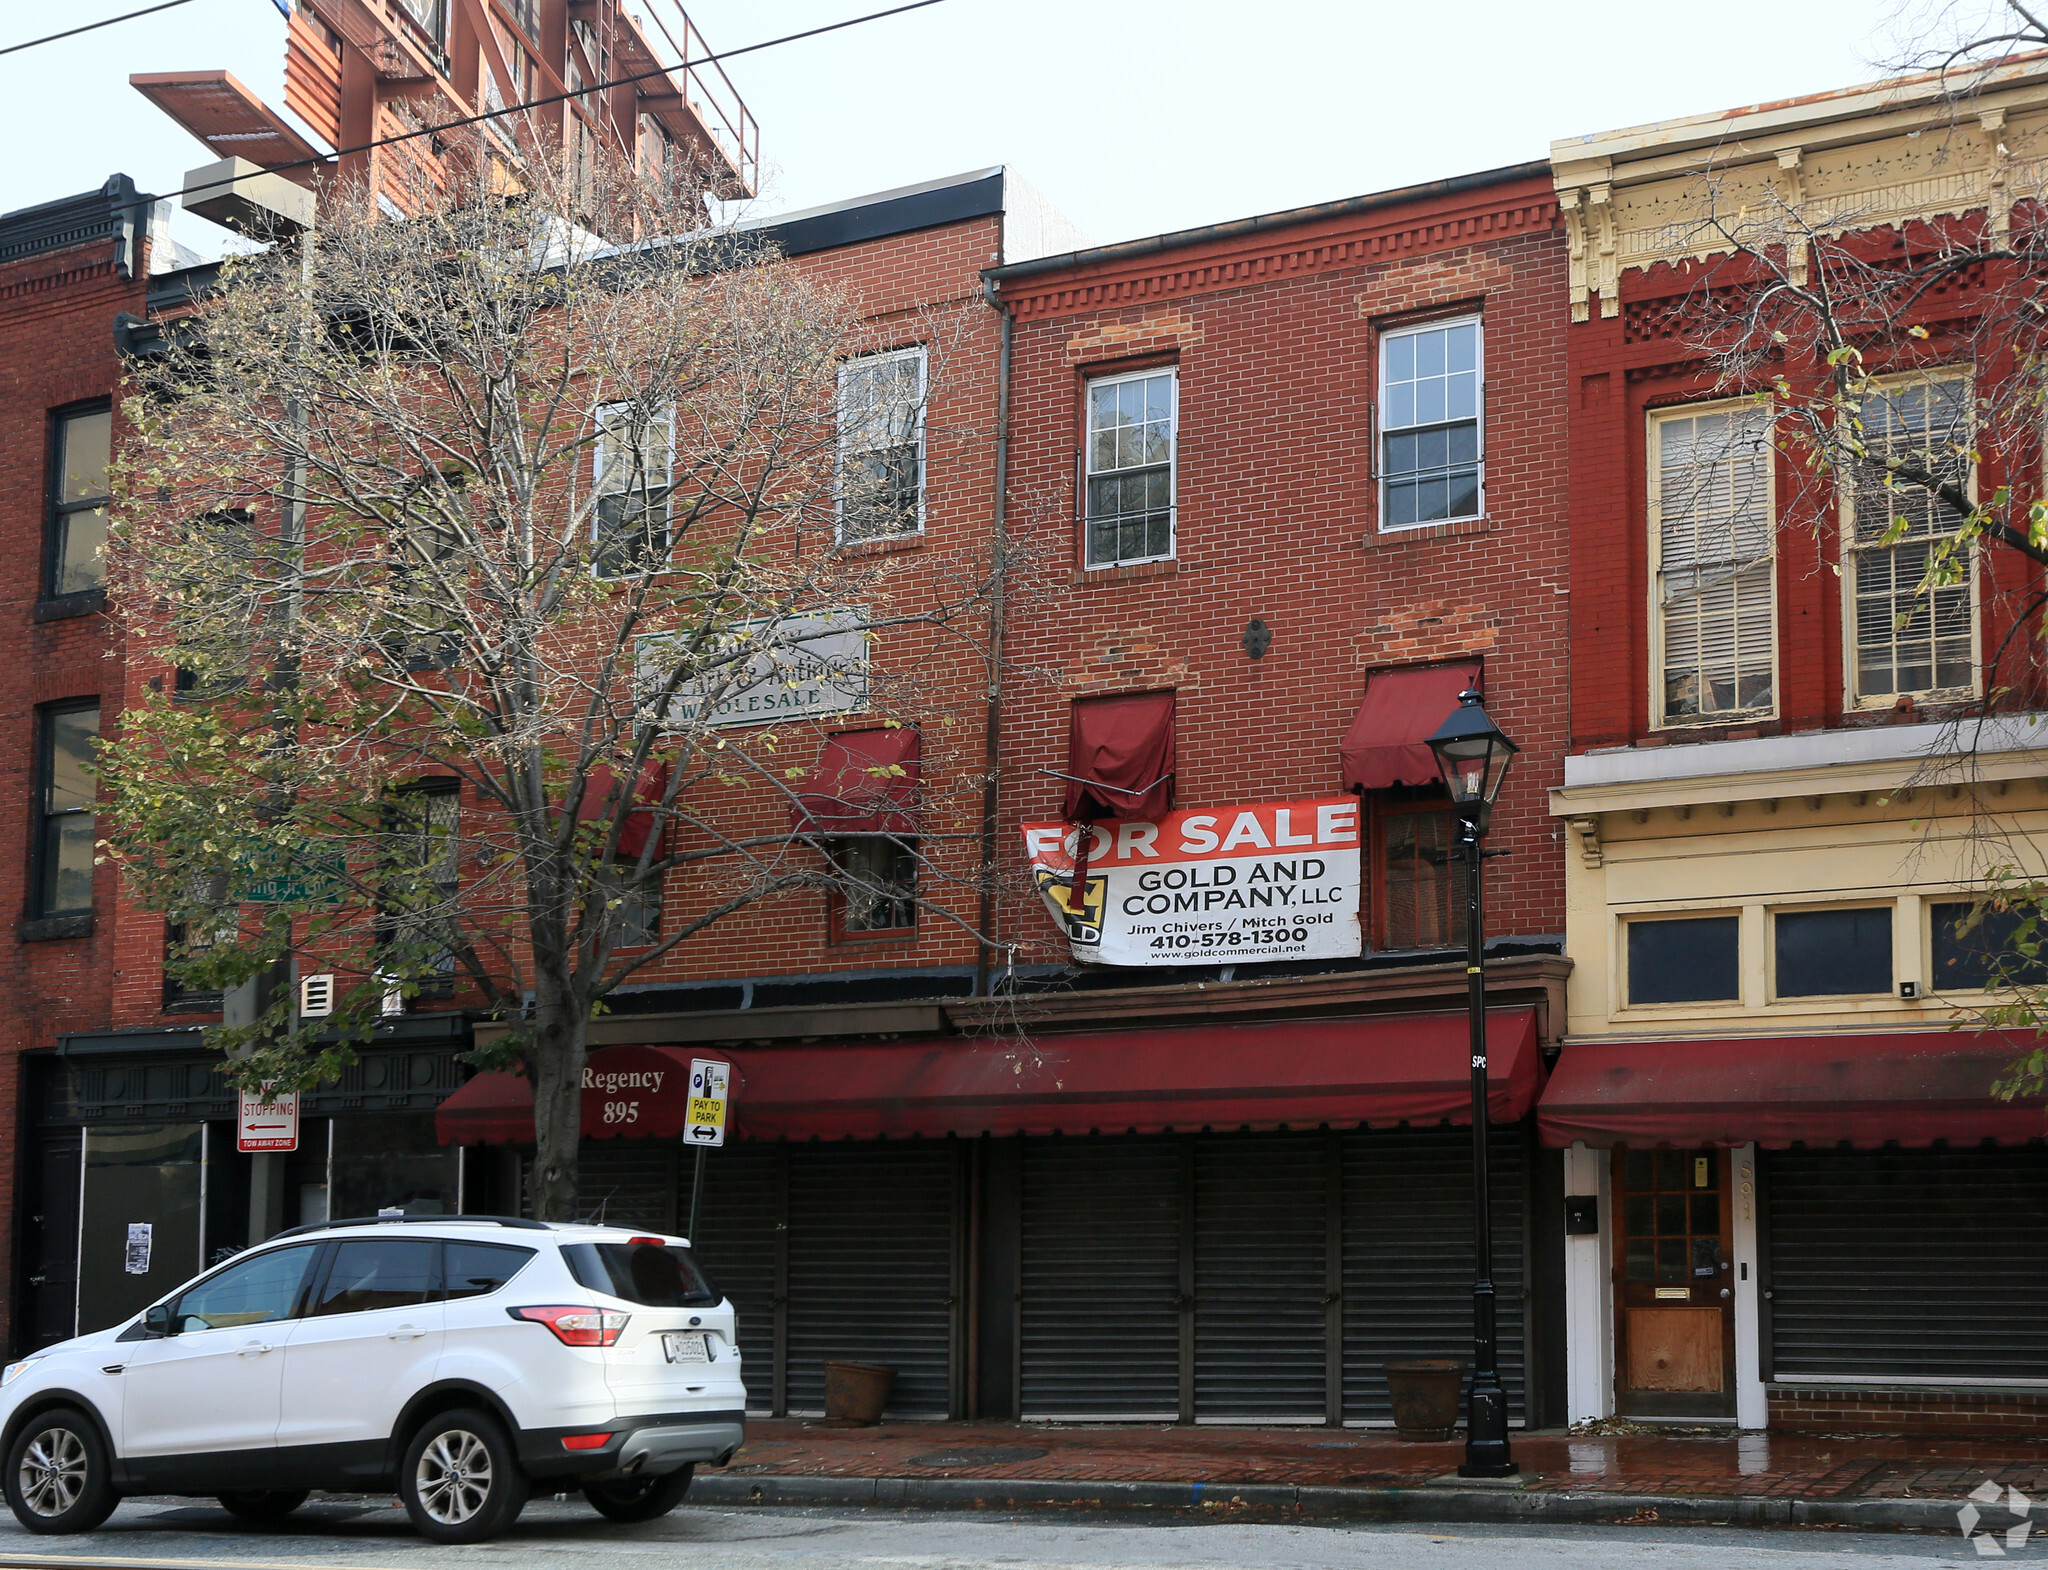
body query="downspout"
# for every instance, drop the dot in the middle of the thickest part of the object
(998, 612)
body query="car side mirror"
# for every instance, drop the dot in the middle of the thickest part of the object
(157, 1320)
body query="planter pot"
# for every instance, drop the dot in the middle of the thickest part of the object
(855, 1393)
(1425, 1397)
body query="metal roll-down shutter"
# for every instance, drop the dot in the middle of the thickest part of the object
(1099, 1316)
(1920, 1265)
(872, 1268)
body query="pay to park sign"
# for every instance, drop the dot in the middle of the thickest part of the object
(1267, 882)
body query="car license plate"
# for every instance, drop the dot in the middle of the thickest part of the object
(691, 1348)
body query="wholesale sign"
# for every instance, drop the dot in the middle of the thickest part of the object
(1268, 882)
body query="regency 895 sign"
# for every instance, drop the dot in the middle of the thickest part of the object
(1274, 881)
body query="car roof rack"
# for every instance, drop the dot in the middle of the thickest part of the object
(518, 1222)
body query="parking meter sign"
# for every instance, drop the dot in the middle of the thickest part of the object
(710, 1096)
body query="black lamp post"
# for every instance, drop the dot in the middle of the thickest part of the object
(1473, 757)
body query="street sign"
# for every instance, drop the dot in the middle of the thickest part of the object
(268, 1124)
(710, 1086)
(322, 882)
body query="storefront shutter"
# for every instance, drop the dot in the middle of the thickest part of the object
(871, 1268)
(1099, 1315)
(737, 1233)
(1908, 1264)
(1261, 1264)
(1408, 1262)
(627, 1183)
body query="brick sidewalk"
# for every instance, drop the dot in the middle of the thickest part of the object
(1719, 1464)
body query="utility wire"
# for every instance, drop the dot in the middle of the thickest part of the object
(89, 26)
(553, 98)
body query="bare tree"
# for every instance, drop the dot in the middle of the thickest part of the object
(1898, 365)
(465, 533)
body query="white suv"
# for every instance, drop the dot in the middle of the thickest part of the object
(459, 1358)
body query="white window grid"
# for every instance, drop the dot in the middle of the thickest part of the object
(1713, 579)
(1130, 468)
(632, 472)
(1430, 447)
(881, 412)
(1900, 641)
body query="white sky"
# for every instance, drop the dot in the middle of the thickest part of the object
(1133, 116)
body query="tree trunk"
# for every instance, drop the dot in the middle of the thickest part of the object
(555, 1058)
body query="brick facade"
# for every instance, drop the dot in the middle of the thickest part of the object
(1977, 1414)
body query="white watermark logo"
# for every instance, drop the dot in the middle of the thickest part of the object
(1992, 1544)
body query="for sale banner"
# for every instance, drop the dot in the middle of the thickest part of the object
(1268, 882)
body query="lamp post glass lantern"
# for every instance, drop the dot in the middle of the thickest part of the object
(1473, 756)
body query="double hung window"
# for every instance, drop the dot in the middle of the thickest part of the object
(1713, 529)
(633, 462)
(1422, 903)
(881, 445)
(1909, 638)
(417, 914)
(1128, 468)
(877, 885)
(1432, 437)
(64, 810)
(76, 552)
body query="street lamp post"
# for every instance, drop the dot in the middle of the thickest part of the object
(1473, 757)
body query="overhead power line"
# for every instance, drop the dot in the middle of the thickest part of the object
(89, 26)
(662, 72)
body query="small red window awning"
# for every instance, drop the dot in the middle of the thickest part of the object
(1120, 757)
(1388, 743)
(601, 800)
(1375, 1072)
(866, 782)
(1910, 1087)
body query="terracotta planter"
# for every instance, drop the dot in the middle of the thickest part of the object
(1425, 1397)
(855, 1393)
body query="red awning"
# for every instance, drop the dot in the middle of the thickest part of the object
(1388, 743)
(1120, 757)
(1380, 1071)
(628, 1093)
(601, 800)
(866, 782)
(1913, 1088)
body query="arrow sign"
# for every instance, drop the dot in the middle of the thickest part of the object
(710, 1099)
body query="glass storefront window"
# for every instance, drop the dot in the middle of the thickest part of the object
(392, 1160)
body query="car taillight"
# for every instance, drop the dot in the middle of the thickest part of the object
(575, 1325)
(585, 1441)
(651, 1242)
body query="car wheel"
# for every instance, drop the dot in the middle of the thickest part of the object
(262, 1506)
(639, 1498)
(58, 1478)
(461, 1481)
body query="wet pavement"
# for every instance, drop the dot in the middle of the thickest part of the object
(1711, 1462)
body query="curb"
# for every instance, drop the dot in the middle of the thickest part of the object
(1333, 1502)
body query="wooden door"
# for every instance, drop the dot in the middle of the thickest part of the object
(1674, 1284)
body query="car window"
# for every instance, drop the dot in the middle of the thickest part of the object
(249, 1292)
(661, 1275)
(385, 1272)
(473, 1269)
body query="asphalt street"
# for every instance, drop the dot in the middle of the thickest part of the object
(551, 1535)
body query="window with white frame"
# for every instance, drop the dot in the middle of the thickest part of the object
(632, 459)
(881, 445)
(1432, 437)
(1128, 468)
(1715, 587)
(1910, 636)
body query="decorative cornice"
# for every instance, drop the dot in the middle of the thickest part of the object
(1203, 267)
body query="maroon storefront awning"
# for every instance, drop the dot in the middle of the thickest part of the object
(1388, 743)
(1377, 1072)
(866, 782)
(1120, 757)
(601, 800)
(1913, 1088)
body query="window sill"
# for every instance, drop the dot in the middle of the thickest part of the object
(884, 546)
(888, 936)
(1412, 533)
(1096, 577)
(49, 929)
(65, 606)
